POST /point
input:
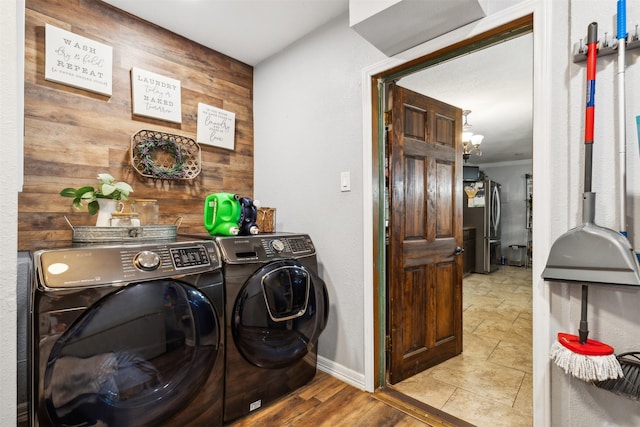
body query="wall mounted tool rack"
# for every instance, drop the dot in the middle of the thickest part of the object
(608, 46)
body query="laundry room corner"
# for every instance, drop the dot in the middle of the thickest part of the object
(207, 327)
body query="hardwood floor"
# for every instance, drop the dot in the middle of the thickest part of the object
(327, 401)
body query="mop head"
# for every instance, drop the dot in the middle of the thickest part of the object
(591, 361)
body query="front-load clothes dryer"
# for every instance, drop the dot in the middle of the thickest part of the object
(277, 306)
(127, 335)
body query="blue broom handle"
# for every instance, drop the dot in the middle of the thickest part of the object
(622, 19)
(622, 120)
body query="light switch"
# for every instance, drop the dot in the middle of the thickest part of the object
(345, 181)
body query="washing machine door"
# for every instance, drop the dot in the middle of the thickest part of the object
(279, 314)
(135, 358)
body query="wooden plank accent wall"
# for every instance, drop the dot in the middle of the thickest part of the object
(72, 135)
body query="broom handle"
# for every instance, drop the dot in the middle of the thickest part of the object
(622, 120)
(583, 331)
(592, 39)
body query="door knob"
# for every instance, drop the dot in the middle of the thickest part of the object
(458, 251)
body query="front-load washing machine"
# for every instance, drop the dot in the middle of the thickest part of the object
(277, 306)
(127, 335)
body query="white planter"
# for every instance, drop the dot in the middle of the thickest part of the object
(107, 207)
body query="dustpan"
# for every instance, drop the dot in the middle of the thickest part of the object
(590, 253)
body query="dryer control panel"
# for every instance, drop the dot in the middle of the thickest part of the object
(93, 265)
(260, 248)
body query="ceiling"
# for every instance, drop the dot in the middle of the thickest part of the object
(247, 30)
(495, 83)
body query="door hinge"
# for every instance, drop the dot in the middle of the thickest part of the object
(387, 343)
(388, 118)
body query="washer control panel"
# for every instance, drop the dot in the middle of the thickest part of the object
(106, 265)
(243, 249)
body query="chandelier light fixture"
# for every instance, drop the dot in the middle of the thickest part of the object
(470, 141)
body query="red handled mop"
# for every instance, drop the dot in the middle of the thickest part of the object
(585, 358)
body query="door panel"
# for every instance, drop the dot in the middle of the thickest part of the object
(414, 293)
(425, 274)
(444, 215)
(445, 304)
(414, 177)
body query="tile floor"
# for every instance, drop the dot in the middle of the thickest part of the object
(490, 383)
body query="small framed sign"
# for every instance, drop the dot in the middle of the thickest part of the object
(77, 61)
(216, 126)
(156, 96)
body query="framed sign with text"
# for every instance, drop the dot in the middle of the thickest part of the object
(77, 61)
(216, 126)
(156, 96)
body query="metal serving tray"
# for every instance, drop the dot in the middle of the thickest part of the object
(92, 234)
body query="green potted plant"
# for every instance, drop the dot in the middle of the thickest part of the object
(107, 189)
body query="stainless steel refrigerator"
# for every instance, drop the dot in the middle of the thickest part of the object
(481, 210)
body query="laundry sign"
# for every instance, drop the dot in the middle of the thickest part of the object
(77, 61)
(216, 126)
(156, 96)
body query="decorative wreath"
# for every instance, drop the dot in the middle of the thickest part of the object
(149, 146)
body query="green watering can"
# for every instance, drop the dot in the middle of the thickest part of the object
(222, 214)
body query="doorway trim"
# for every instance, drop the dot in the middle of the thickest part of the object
(373, 227)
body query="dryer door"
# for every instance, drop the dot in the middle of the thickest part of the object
(134, 358)
(279, 314)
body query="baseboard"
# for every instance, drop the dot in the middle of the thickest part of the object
(345, 374)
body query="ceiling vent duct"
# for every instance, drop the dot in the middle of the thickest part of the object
(393, 26)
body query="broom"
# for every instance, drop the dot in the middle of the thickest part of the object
(629, 384)
(584, 358)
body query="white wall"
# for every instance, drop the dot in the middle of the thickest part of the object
(308, 119)
(9, 119)
(308, 129)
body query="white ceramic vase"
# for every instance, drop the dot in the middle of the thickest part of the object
(107, 207)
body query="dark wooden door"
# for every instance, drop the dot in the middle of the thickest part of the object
(425, 235)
